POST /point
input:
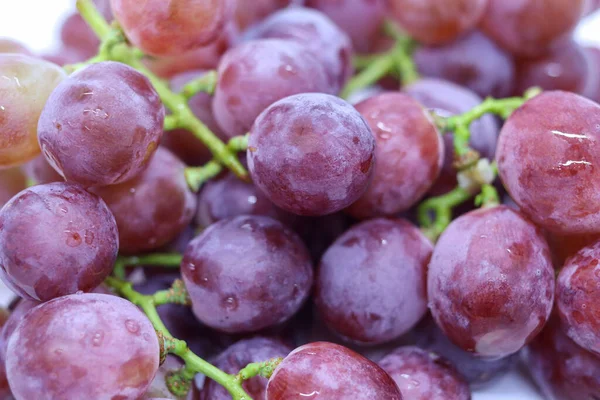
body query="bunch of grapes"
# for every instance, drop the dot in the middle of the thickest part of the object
(278, 200)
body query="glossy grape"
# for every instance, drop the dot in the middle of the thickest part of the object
(328, 371)
(547, 156)
(101, 125)
(8, 45)
(256, 74)
(236, 357)
(491, 282)
(370, 287)
(422, 375)
(472, 61)
(12, 181)
(437, 21)
(409, 154)
(261, 279)
(41, 172)
(248, 12)
(153, 208)
(56, 239)
(82, 346)
(25, 85)
(529, 27)
(168, 28)
(311, 154)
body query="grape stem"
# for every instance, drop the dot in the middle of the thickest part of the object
(441, 207)
(155, 259)
(206, 83)
(114, 47)
(264, 369)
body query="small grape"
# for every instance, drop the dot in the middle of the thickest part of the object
(101, 125)
(76, 34)
(56, 239)
(12, 181)
(491, 282)
(41, 172)
(328, 371)
(311, 154)
(81, 346)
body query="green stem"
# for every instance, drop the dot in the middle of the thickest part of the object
(441, 207)
(379, 68)
(176, 294)
(264, 369)
(206, 83)
(362, 61)
(171, 123)
(94, 19)
(196, 176)
(488, 197)
(238, 143)
(155, 259)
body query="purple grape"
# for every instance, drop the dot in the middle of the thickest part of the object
(409, 154)
(101, 125)
(255, 74)
(236, 357)
(311, 154)
(259, 279)
(327, 371)
(41, 172)
(153, 208)
(248, 12)
(472, 61)
(491, 282)
(5, 393)
(56, 239)
(83, 346)
(11, 324)
(422, 375)
(370, 287)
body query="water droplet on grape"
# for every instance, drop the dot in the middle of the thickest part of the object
(89, 236)
(73, 238)
(98, 338)
(132, 326)
(230, 303)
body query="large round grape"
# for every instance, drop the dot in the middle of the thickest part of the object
(327, 371)
(94, 346)
(153, 208)
(491, 281)
(163, 28)
(370, 286)
(246, 273)
(56, 239)
(24, 88)
(101, 125)
(547, 155)
(409, 152)
(311, 154)
(255, 74)
(436, 22)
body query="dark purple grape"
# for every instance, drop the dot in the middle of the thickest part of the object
(409, 155)
(236, 357)
(81, 346)
(370, 287)
(327, 371)
(56, 239)
(491, 282)
(547, 155)
(12, 181)
(311, 154)
(422, 375)
(101, 125)
(260, 277)
(472, 61)
(41, 172)
(153, 208)
(255, 74)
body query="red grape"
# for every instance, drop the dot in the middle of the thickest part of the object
(82, 346)
(328, 371)
(101, 125)
(248, 12)
(409, 154)
(437, 21)
(169, 28)
(565, 246)
(24, 88)
(41, 172)
(547, 152)
(56, 239)
(311, 154)
(491, 282)
(422, 375)
(12, 181)
(260, 280)
(257, 73)
(370, 286)
(8, 45)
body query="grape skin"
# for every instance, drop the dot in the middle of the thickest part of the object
(27, 82)
(153, 208)
(328, 371)
(101, 125)
(261, 280)
(56, 239)
(551, 144)
(311, 154)
(491, 282)
(82, 346)
(409, 152)
(370, 286)
(12, 181)
(256, 74)
(8, 45)
(249, 12)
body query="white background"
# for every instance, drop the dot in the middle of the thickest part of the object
(36, 23)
